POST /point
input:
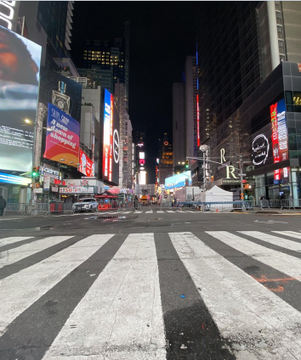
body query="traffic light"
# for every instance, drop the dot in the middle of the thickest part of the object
(35, 172)
(187, 164)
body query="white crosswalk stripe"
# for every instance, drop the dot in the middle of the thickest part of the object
(121, 317)
(20, 290)
(26, 250)
(277, 260)
(120, 296)
(239, 304)
(11, 240)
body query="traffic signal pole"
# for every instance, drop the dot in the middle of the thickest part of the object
(241, 174)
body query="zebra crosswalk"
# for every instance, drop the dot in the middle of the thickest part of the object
(213, 294)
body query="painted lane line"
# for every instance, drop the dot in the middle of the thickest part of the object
(127, 212)
(284, 263)
(252, 318)
(275, 240)
(34, 247)
(20, 290)
(138, 212)
(11, 240)
(170, 211)
(149, 212)
(121, 315)
(160, 211)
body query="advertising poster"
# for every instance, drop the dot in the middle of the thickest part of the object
(19, 80)
(86, 165)
(62, 139)
(110, 163)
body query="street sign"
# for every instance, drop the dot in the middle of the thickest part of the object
(242, 174)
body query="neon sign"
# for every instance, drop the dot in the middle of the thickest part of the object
(198, 120)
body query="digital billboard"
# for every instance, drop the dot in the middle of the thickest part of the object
(279, 134)
(62, 138)
(86, 165)
(270, 144)
(178, 180)
(19, 78)
(110, 160)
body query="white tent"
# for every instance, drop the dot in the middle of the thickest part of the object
(218, 196)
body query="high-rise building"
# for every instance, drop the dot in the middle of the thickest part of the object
(249, 92)
(178, 126)
(165, 168)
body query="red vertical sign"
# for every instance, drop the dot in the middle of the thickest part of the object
(198, 120)
(275, 139)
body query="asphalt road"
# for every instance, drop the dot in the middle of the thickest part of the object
(152, 284)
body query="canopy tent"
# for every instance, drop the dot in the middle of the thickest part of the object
(216, 194)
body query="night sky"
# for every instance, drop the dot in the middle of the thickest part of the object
(162, 34)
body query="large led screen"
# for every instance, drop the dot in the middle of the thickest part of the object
(270, 144)
(110, 161)
(62, 139)
(178, 180)
(19, 79)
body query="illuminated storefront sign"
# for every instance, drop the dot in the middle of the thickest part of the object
(141, 155)
(13, 179)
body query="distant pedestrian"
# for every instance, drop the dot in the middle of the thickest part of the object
(2, 205)
(136, 202)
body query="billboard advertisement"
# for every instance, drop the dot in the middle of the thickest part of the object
(270, 144)
(279, 134)
(62, 92)
(62, 138)
(110, 160)
(86, 165)
(19, 78)
(178, 180)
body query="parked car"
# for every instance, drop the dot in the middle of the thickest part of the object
(85, 204)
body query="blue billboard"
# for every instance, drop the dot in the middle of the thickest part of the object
(178, 180)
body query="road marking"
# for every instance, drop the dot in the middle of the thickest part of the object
(275, 240)
(292, 234)
(284, 263)
(26, 250)
(149, 212)
(121, 313)
(160, 211)
(251, 317)
(22, 289)
(270, 222)
(12, 240)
